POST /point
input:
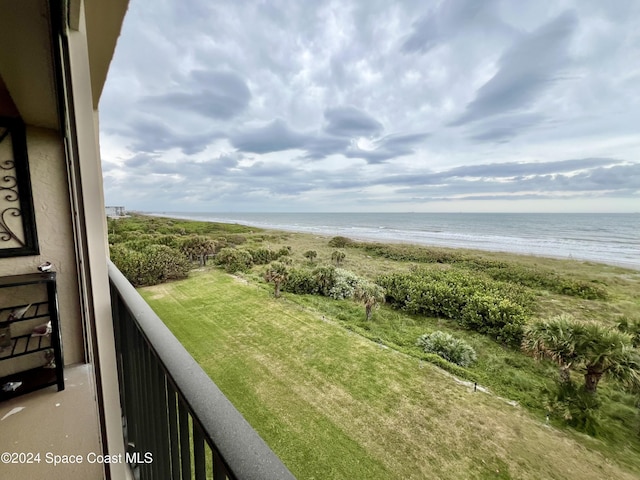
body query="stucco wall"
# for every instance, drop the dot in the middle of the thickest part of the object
(55, 237)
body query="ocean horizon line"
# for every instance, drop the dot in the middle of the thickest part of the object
(155, 212)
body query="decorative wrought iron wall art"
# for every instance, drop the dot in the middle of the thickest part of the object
(17, 220)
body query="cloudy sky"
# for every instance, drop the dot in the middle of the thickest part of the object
(374, 105)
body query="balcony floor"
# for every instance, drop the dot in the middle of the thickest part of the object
(62, 423)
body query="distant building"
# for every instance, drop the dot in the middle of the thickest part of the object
(114, 211)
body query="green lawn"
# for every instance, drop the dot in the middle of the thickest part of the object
(333, 404)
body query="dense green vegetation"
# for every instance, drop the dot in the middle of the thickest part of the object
(488, 301)
(496, 269)
(494, 308)
(149, 264)
(150, 250)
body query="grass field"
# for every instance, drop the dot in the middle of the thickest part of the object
(333, 404)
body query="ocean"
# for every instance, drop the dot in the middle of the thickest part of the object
(607, 238)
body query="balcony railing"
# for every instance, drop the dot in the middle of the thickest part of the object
(177, 423)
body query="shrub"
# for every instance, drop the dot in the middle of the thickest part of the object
(129, 262)
(450, 367)
(300, 281)
(340, 242)
(197, 245)
(489, 307)
(496, 269)
(234, 260)
(286, 260)
(327, 281)
(578, 288)
(497, 317)
(150, 265)
(172, 241)
(263, 256)
(166, 263)
(221, 242)
(236, 239)
(542, 278)
(139, 241)
(324, 277)
(448, 347)
(114, 238)
(410, 253)
(344, 284)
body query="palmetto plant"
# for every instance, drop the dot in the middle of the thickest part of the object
(588, 348)
(553, 340)
(337, 257)
(277, 273)
(310, 255)
(371, 295)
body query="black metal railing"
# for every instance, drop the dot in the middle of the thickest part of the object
(177, 423)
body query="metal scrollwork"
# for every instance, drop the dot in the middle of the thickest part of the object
(10, 182)
(9, 189)
(19, 236)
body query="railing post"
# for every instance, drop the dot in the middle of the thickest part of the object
(173, 430)
(185, 450)
(198, 452)
(163, 423)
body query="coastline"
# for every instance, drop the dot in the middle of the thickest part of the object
(445, 242)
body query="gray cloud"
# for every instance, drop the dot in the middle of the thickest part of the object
(262, 169)
(321, 146)
(447, 20)
(108, 166)
(276, 136)
(148, 165)
(218, 95)
(153, 135)
(525, 70)
(530, 168)
(348, 121)
(614, 178)
(503, 128)
(389, 147)
(498, 170)
(140, 160)
(618, 180)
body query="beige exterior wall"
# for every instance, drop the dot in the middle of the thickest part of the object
(53, 223)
